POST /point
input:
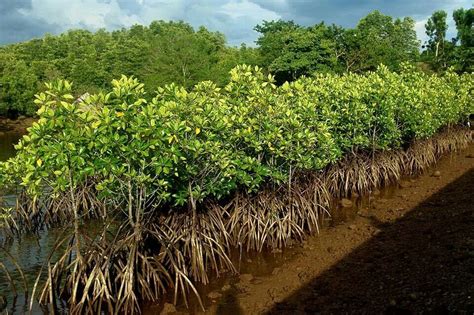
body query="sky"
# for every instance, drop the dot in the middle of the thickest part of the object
(22, 20)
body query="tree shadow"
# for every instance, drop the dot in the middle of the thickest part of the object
(229, 304)
(421, 263)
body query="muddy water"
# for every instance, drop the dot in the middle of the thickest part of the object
(361, 205)
(30, 252)
(7, 141)
(341, 234)
(261, 264)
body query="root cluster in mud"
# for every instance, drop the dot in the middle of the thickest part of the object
(126, 263)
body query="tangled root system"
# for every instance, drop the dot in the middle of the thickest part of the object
(122, 266)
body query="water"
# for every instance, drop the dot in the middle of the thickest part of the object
(27, 251)
(7, 141)
(30, 252)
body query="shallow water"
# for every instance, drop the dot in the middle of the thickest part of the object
(29, 252)
(7, 141)
(263, 264)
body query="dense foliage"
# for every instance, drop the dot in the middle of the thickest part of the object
(458, 52)
(162, 53)
(290, 50)
(208, 142)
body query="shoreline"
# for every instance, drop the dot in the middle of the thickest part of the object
(18, 125)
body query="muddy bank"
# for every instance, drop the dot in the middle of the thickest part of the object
(407, 250)
(10, 133)
(18, 125)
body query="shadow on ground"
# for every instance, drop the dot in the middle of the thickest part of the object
(421, 263)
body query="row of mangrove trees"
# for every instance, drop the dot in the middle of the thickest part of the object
(171, 174)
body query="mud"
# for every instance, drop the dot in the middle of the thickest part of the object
(402, 250)
(10, 132)
(18, 125)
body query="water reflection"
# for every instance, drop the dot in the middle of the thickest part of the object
(29, 252)
(7, 141)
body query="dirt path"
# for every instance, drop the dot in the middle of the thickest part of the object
(410, 252)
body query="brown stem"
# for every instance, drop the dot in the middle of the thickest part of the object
(76, 216)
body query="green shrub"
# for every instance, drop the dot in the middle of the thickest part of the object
(210, 141)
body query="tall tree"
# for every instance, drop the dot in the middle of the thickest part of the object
(289, 50)
(464, 20)
(405, 41)
(381, 40)
(161, 53)
(181, 55)
(436, 28)
(18, 84)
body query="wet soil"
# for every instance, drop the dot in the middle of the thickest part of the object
(403, 250)
(10, 133)
(18, 125)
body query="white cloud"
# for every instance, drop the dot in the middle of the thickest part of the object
(420, 30)
(90, 14)
(235, 18)
(243, 9)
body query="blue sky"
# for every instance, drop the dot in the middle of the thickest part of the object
(25, 19)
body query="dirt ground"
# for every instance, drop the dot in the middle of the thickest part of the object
(409, 250)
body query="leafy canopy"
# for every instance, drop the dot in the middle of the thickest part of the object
(210, 142)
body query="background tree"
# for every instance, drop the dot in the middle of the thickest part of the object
(161, 53)
(271, 43)
(18, 84)
(464, 56)
(181, 55)
(289, 50)
(436, 28)
(167, 52)
(381, 40)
